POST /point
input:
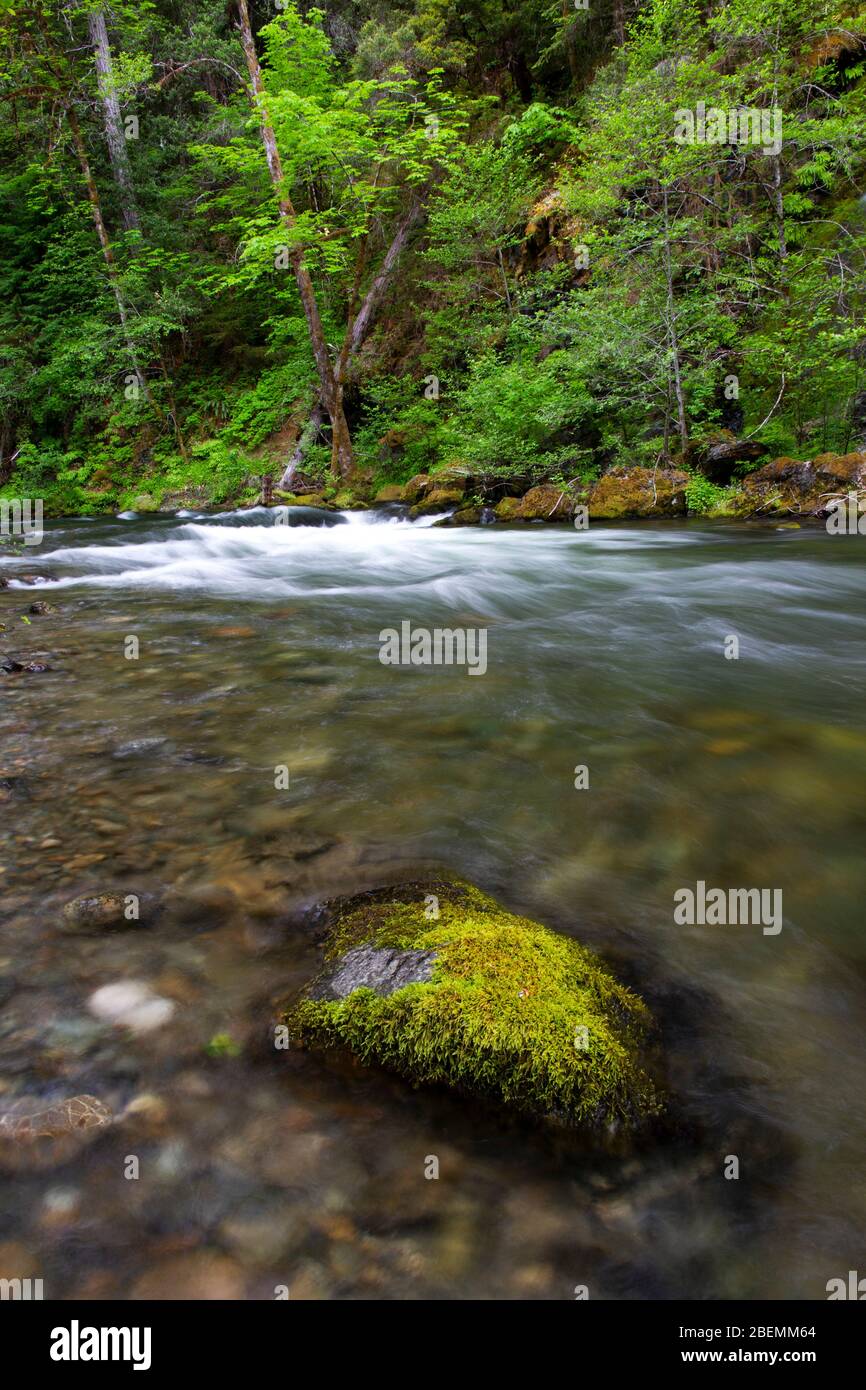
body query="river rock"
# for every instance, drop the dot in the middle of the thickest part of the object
(438, 499)
(465, 516)
(628, 492)
(384, 971)
(437, 982)
(392, 492)
(545, 503)
(34, 668)
(788, 486)
(35, 1133)
(417, 487)
(200, 1275)
(103, 912)
(507, 509)
(131, 1004)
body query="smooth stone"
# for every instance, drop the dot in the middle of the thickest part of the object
(131, 1004)
(383, 970)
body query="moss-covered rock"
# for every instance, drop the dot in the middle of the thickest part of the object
(545, 503)
(491, 1004)
(627, 492)
(305, 499)
(417, 487)
(349, 499)
(787, 485)
(466, 516)
(438, 499)
(392, 493)
(507, 509)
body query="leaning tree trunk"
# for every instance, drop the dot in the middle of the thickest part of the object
(356, 333)
(113, 122)
(342, 458)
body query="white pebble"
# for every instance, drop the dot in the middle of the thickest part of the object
(131, 1004)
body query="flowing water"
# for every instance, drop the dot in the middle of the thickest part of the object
(155, 775)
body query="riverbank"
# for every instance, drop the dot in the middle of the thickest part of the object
(784, 487)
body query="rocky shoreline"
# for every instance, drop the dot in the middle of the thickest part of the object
(784, 487)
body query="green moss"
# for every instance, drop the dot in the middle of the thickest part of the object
(513, 1012)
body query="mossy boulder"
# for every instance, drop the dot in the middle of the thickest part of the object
(417, 487)
(545, 503)
(350, 500)
(454, 476)
(636, 492)
(787, 485)
(439, 983)
(438, 499)
(466, 516)
(304, 499)
(392, 493)
(507, 509)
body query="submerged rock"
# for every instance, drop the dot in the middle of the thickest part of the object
(105, 912)
(37, 1134)
(434, 980)
(131, 1004)
(13, 667)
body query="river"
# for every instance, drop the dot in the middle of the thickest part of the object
(150, 768)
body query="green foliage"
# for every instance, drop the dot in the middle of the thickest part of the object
(526, 132)
(703, 496)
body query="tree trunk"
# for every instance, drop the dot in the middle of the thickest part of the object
(363, 322)
(308, 436)
(672, 336)
(342, 459)
(105, 243)
(113, 122)
(779, 207)
(356, 333)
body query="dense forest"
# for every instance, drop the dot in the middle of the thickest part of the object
(341, 246)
